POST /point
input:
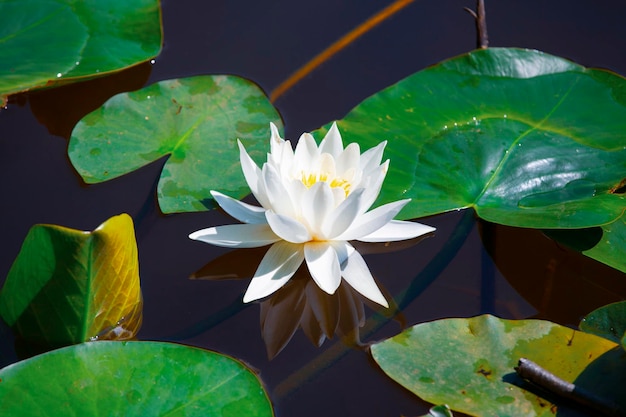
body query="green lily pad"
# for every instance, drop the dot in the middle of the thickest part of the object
(525, 138)
(610, 250)
(68, 40)
(67, 286)
(194, 121)
(469, 363)
(131, 379)
(608, 321)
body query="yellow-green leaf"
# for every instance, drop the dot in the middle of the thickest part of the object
(67, 286)
(469, 363)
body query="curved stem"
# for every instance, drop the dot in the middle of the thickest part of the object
(336, 47)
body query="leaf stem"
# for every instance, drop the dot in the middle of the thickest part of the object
(546, 380)
(482, 39)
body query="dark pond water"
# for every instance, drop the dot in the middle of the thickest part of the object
(266, 41)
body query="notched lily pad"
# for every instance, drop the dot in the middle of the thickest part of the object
(194, 121)
(524, 138)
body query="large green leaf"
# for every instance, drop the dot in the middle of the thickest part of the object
(195, 121)
(525, 138)
(469, 363)
(68, 286)
(46, 41)
(131, 379)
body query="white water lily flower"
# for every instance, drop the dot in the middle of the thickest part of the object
(313, 202)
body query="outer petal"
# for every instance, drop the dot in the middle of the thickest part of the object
(287, 228)
(278, 265)
(397, 230)
(356, 273)
(277, 194)
(237, 235)
(241, 211)
(371, 221)
(321, 259)
(252, 174)
(276, 143)
(332, 142)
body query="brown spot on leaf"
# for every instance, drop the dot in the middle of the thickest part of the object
(619, 188)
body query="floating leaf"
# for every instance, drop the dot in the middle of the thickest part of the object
(610, 250)
(131, 379)
(525, 138)
(608, 321)
(67, 286)
(194, 121)
(469, 363)
(65, 40)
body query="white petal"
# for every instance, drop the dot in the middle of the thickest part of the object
(317, 202)
(323, 264)
(371, 221)
(332, 142)
(397, 230)
(287, 228)
(252, 174)
(327, 165)
(278, 198)
(356, 273)
(278, 265)
(276, 142)
(349, 158)
(241, 211)
(372, 184)
(371, 158)
(344, 215)
(306, 153)
(237, 235)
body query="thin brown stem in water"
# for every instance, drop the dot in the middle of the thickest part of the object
(336, 47)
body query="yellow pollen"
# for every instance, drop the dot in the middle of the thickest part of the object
(309, 179)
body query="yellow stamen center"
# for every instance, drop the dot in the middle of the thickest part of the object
(308, 179)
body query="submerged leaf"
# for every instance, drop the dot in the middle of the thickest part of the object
(68, 40)
(194, 121)
(67, 286)
(525, 138)
(469, 363)
(131, 379)
(439, 411)
(608, 321)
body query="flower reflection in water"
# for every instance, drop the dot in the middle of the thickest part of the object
(301, 303)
